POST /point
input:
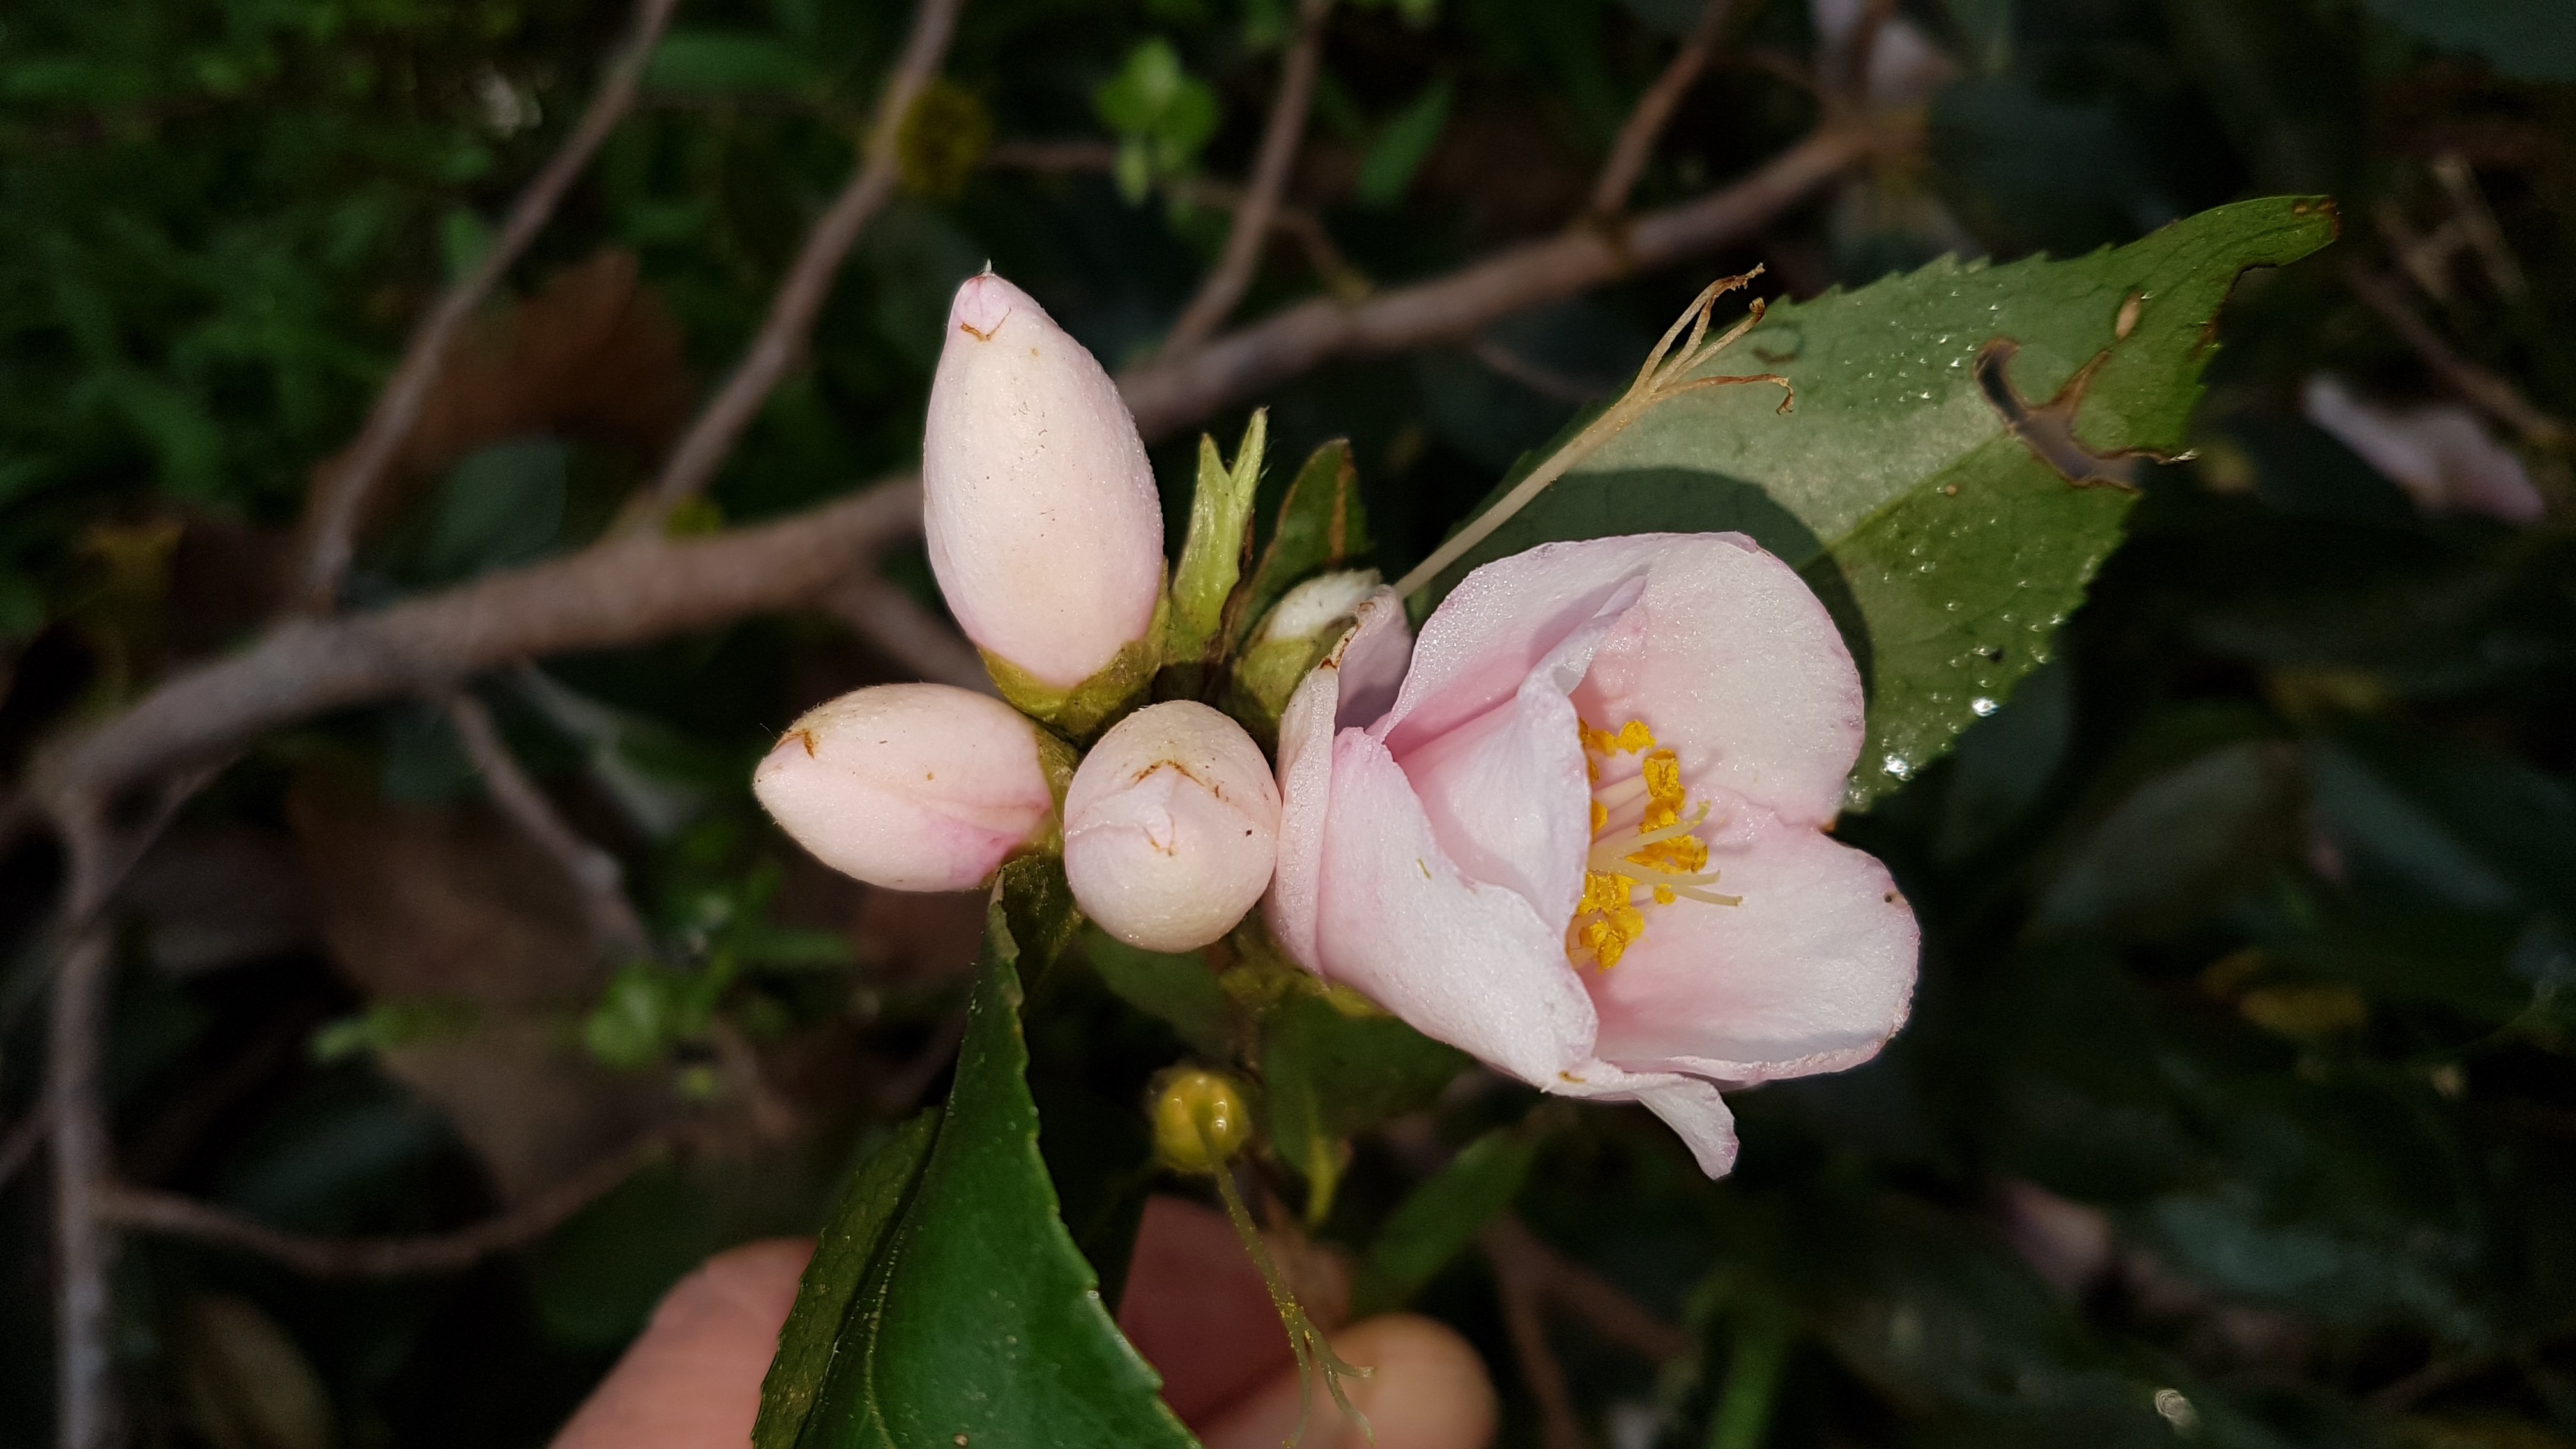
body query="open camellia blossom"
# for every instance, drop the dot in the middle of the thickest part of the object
(1579, 832)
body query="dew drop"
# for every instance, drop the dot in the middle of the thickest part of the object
(1982, 705)
(1899, 766)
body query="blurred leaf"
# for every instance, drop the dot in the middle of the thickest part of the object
(1333, 1064)
(2470, 828)
(1161, 113)
(500, 506)
(1387, 171)
(975, 1316)
(2180, 846)
(247, 1385)
(716, 62)
(1440, 1217)
(2530, 39)
(1942, 532)
(1179, 991)
(393, 1024)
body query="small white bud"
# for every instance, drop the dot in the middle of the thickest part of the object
(1304, 611)
(920, 787)
(1171, 827)
(1039, 507)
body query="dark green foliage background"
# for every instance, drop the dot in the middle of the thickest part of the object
(2250, 917)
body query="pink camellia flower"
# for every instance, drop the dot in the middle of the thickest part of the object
(1583, 838)
(919, 787)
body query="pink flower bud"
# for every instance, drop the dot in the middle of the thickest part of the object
(1171, 827)
(921, 787)
(1044, 526)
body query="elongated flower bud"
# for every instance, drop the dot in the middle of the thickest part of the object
(1044, 526)
(1171, 827)
(921, 787)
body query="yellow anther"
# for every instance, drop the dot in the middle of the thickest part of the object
(1663, 772)
(1664, 848)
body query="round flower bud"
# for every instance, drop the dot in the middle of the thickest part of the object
(1308, 609)
(1171, 827)
(1044, 526)
(1200, 1120)
(921, 787)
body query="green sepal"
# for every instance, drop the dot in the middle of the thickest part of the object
(1267, 674)
(1217, 546)
(1321, 527)
(1082, 712)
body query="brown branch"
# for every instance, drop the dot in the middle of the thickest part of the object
(631, 589)
(83, 1252)
(1100, 157)
(619, 592)
(1653, 111)
(340, 500)
(2489, 391)
(1236, 265)
(1544, 1376)
(909, 634)
(1171, 392)
(780, 343)
(1584, 1294)
(613, 921)
(172, 1215)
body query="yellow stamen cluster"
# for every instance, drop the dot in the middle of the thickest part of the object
(1661, 854)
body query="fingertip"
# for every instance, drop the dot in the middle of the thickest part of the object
(1427, 1390)
(692, 1378)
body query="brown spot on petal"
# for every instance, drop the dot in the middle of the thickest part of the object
(805, 738)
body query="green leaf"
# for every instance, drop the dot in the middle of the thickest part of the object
(1219, 538)
(1440, 1217)
(1321, 527)
(1179, 991)
(1162, 115)
(1387, 171)
(1333, 1064)
(860, 1221)
(974, 1319)
(708, 62)
(1922, 482)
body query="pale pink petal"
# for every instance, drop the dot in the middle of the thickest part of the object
(1507, 793)
(1688, 1105)
(1501, 621)
(1360, 674)
(1812, 973)
(1461, 961)
(1733, 663)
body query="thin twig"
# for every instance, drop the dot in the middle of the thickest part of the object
(619, 592)
(1169, 392)
(602, 881)
(173, 1215)
(906, 632)
(629, 590)
(800, 296)
(1236, 265)
(83, 1252)
(1654, 110)
(1584, 1294)
(1540, 1371)
(25, 1135)
(340, 499)
(2489, 391)
(1101, 158)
